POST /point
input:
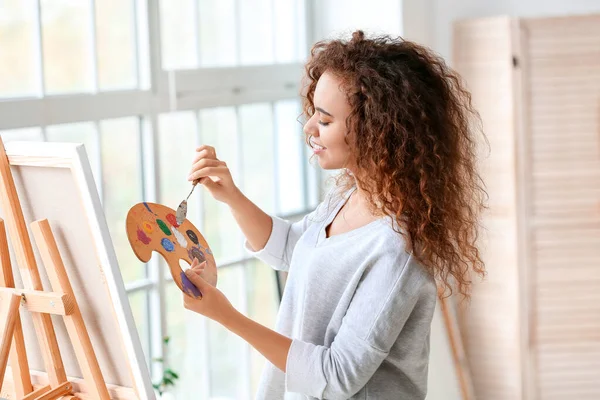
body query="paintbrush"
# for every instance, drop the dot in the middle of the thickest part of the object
(181, 213)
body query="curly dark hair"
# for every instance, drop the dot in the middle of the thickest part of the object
(413, 123)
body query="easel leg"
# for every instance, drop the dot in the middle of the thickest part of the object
(9, 200)
(10, 312)
(18, 357)
(76, 329)
(46, 393)
(458, 352)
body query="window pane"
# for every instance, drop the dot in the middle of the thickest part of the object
(143, 44)
(218, 129)
(179, 34)
(28, 134)
(289, 155)
(312, 175)
(288, 21)
(256, 36)
(177, 145)
(187, 347)
(217, 32)
(139, 307)
(115, 40)
(201, 350)
(227, 351)
(122, 187)
(67, 46)
(18, 63)
(81, 132)
(301, 25)
(328, 178)
(257, 141)
(263, 303)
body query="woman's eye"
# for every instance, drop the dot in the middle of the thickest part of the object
(324, 123)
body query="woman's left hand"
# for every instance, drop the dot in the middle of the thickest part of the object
(213, 303)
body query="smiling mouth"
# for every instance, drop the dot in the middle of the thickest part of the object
(315, 146)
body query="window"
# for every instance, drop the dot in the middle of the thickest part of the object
(141, 84)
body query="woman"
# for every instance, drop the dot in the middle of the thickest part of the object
(355, 317)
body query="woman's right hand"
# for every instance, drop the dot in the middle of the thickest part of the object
(214, 174)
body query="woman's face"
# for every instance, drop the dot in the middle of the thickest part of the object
(327, 128)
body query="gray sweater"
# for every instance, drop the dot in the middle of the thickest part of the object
(357, 306)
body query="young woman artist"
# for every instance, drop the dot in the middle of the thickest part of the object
(355, 317)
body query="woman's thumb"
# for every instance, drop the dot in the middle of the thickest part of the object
(200, 285)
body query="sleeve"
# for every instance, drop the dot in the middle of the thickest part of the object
(284, 236)
(377, 313)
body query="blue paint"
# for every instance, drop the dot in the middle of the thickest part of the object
(167, 245)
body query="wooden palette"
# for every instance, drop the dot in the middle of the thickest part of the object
(153, 227)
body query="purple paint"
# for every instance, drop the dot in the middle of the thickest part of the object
(188, 286)
(167, 245)
(195, 252)
(142, 237)
(208, 251)
(148, 208)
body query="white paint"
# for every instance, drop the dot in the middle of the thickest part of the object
(179, 236)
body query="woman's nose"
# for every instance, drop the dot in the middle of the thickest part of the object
(310, 128)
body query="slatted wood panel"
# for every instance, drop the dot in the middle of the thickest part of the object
(563, 99)
(490, 325)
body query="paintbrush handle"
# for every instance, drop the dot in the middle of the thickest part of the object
(193, 187)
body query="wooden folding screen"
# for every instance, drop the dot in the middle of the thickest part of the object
(532, 330)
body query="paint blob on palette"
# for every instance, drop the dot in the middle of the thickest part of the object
(153, 227)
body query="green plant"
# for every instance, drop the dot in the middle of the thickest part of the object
(169, 376)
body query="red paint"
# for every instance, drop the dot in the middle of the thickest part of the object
(172, 220)
(142, 237)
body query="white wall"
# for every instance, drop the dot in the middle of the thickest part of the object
(430, 21)
(335, 17)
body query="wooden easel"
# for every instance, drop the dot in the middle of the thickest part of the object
(461, 365)
(41, 304)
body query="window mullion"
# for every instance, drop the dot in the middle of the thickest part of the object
(310, 24)
(205, 372)
(196, 8)
(276, 161)
(273, 31)
(39, 48)
(94, 46)
(156, 270)
(136, 36)
(238, 32)
(244, 272)
(98, 166)
(156, 73)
